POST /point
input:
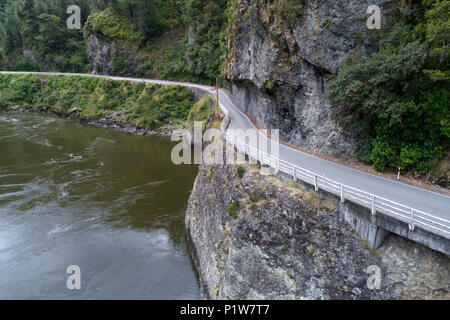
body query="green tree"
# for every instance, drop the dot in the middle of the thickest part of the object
(400, 117)
(437, 31)
(51, 35)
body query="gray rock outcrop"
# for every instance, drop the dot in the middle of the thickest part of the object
(108, 57)
(279, 65)
(260, 238)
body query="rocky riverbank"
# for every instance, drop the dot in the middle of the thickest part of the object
(114, 120)
(256, 237)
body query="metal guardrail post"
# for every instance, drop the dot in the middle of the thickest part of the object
(411, 224)
(342, 193)
(374, 211)
(294, 177)
(316, 184)
(373, 206)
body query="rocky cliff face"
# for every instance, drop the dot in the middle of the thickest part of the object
(260, 238)
(108, 57)
(279, 63)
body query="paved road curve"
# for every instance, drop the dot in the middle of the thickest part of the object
(427, 201)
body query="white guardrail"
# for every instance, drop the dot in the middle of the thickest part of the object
(413, 217)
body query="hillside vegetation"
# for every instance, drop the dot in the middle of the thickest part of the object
(148, 106)
(396, 100)
(34, 36)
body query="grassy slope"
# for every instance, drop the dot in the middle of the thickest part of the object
(144, 105)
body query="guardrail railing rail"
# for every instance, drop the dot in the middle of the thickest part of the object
(413, 217)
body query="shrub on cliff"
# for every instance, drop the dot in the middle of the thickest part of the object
(240, 171)
(200, 112)
(111, 25)
(233, 209)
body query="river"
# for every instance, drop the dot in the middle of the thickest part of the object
(110, 203)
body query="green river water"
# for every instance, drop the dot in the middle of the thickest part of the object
(111, 203)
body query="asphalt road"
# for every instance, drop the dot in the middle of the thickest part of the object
(427, 201)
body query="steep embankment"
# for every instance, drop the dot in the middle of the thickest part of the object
(279, 58)
(256, 237)
(125, 105)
